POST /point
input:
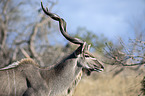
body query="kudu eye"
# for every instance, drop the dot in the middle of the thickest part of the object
(86, 55)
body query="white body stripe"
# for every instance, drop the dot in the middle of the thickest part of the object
(11, 66)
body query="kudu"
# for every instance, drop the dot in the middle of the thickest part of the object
(27, 78)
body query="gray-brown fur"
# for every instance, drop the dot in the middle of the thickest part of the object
(14, 81)
(27, 78)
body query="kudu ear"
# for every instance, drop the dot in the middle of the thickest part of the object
(89, 46)
(85, 47)
(81, 49)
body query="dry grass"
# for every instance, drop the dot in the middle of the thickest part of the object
(103, 84)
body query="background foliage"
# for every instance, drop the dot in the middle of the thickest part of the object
(25, 31)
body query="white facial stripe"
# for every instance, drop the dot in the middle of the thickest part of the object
(87, 66)
(91, 58)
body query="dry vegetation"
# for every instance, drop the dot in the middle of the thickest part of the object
(104, 84)
(36, 43)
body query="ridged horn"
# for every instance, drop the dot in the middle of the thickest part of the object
(62, 26)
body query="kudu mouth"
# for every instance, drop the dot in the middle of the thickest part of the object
(96, 69)
(90, 70)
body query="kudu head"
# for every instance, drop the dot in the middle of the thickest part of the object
(85, 59)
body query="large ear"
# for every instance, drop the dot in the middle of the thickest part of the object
(89, 46)
(81, 48)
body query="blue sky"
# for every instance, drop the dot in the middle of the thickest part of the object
(108, 17)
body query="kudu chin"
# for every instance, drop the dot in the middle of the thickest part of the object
(27, 78)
